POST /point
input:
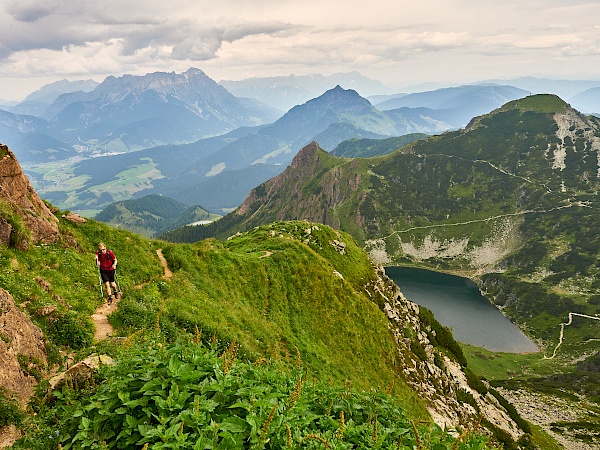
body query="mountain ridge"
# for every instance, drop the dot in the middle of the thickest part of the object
(271, 303)
(244, 161)
(509, 202)
(152, 214)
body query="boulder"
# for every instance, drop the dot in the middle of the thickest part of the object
(78, 375)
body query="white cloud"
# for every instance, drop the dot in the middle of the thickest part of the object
(385, 39)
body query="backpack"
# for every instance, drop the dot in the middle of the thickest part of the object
(108, 257)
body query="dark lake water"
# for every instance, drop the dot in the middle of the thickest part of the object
(457, 303)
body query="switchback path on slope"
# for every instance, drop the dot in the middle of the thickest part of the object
(562, 330)
(100, 317)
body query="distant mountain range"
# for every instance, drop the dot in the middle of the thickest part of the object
(130, 113)
(565, 89)
(588, 101)
(462, 103)
(185, 113)
(286, 92)
(37, 102)
(218, 173)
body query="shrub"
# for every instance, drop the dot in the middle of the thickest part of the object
(443, 336)
(10, 413)
(71, 330)
(184, 395)
(512, 412)
(418, 350)
(474, 381)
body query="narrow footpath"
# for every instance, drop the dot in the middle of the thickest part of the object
(100, 317)
(562, 330)
(168, 274)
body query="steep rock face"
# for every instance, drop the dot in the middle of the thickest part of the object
(22, 349)
(439, 379)
(21, 198)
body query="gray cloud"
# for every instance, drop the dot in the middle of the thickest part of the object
(31, 11)
(386, 39)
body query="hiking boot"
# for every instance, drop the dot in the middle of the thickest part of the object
(118, 295)
(110, 299)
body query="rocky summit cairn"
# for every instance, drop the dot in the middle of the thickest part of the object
(22, 211)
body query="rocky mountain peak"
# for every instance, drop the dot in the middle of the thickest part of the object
(304, 155)
(342, 99)
(24, 217)
(162, 82)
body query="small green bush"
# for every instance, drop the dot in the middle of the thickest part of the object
(71, 330)
(10, 413)
(418, 350)
(474, 381)
(512, 412)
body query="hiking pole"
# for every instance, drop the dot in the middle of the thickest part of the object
(100, 279)
(117, 282)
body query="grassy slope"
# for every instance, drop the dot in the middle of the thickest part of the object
(270, 306)
(272, 291)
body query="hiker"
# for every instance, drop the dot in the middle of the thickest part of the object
(107, 264)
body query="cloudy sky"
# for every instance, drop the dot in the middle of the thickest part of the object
(398, 42)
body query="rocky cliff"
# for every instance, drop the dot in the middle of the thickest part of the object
(437, 376)
(22, 349)
(24, 217)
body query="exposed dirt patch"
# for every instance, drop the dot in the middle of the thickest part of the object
(8, 436)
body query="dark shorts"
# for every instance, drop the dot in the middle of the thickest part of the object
(107, 275)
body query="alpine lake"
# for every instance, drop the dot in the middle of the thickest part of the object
(457, 304)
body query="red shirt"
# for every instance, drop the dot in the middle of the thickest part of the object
(106, 259)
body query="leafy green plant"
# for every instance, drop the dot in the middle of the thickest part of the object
(185, 395)
(69, 329)
(10, 413)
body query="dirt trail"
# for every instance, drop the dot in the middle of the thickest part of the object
(168, 274)
(100, 319)
(562, 330)
(100, 316)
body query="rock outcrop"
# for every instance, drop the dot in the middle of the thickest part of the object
(78, 375)
(22, 350)
(440, 380)
(20, 202)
